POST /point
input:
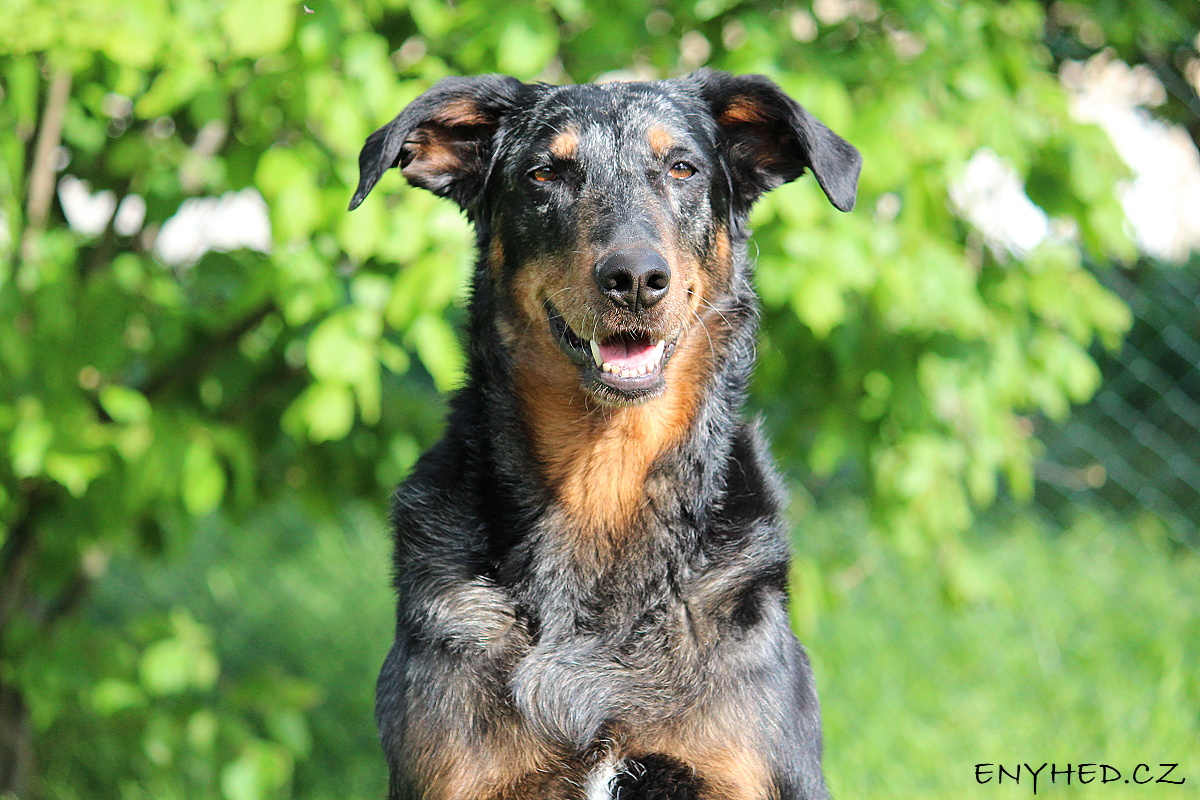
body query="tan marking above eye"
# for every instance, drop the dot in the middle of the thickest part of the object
(660, 140)
(565, 144)
(681, 170)
(543, 174)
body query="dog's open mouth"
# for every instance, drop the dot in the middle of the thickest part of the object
(629, 363)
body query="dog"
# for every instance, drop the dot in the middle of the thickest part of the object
(591, 564)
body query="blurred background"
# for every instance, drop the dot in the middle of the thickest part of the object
(982, 384)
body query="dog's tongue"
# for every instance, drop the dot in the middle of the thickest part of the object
(629, 353)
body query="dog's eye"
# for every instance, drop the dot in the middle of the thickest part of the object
(543, 174)
(681, 170)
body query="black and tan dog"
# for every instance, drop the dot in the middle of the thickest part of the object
(591, 563)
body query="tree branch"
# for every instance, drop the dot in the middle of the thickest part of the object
(16, 556)
(1179, 87)
(201, 356)
(41, 176)
(16, 748)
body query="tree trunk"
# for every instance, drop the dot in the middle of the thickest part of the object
(16, 745)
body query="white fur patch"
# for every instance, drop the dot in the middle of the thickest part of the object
(600, 782)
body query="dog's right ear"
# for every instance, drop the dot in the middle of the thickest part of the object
(442, 141)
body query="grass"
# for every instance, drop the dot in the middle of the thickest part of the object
(1044, 646)
(1080, 647)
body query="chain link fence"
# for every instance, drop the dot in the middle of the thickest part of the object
(1134, 450)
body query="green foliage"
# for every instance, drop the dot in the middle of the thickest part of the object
(141, 399)
(911, 347)
(208, 702)
(1161, 36)
(141, 709)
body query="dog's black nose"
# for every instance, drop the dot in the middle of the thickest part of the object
(633, 279)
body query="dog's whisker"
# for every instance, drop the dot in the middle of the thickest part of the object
(712, 350)
(714, 309)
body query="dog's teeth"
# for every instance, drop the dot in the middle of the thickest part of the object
(596, 353)
(641, 370)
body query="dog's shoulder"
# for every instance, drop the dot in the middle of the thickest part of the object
(446, 596)
(753, 499)
(438, 502)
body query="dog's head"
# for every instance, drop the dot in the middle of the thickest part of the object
(609, 214)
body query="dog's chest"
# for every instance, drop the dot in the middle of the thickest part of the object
(632, 647)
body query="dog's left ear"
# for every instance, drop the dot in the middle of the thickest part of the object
(770, 139)
(442, 141)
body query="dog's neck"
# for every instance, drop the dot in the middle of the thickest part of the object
(597, 471)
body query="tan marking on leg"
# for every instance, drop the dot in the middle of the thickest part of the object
(728, 769)
(511, 762)
(733, 775)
